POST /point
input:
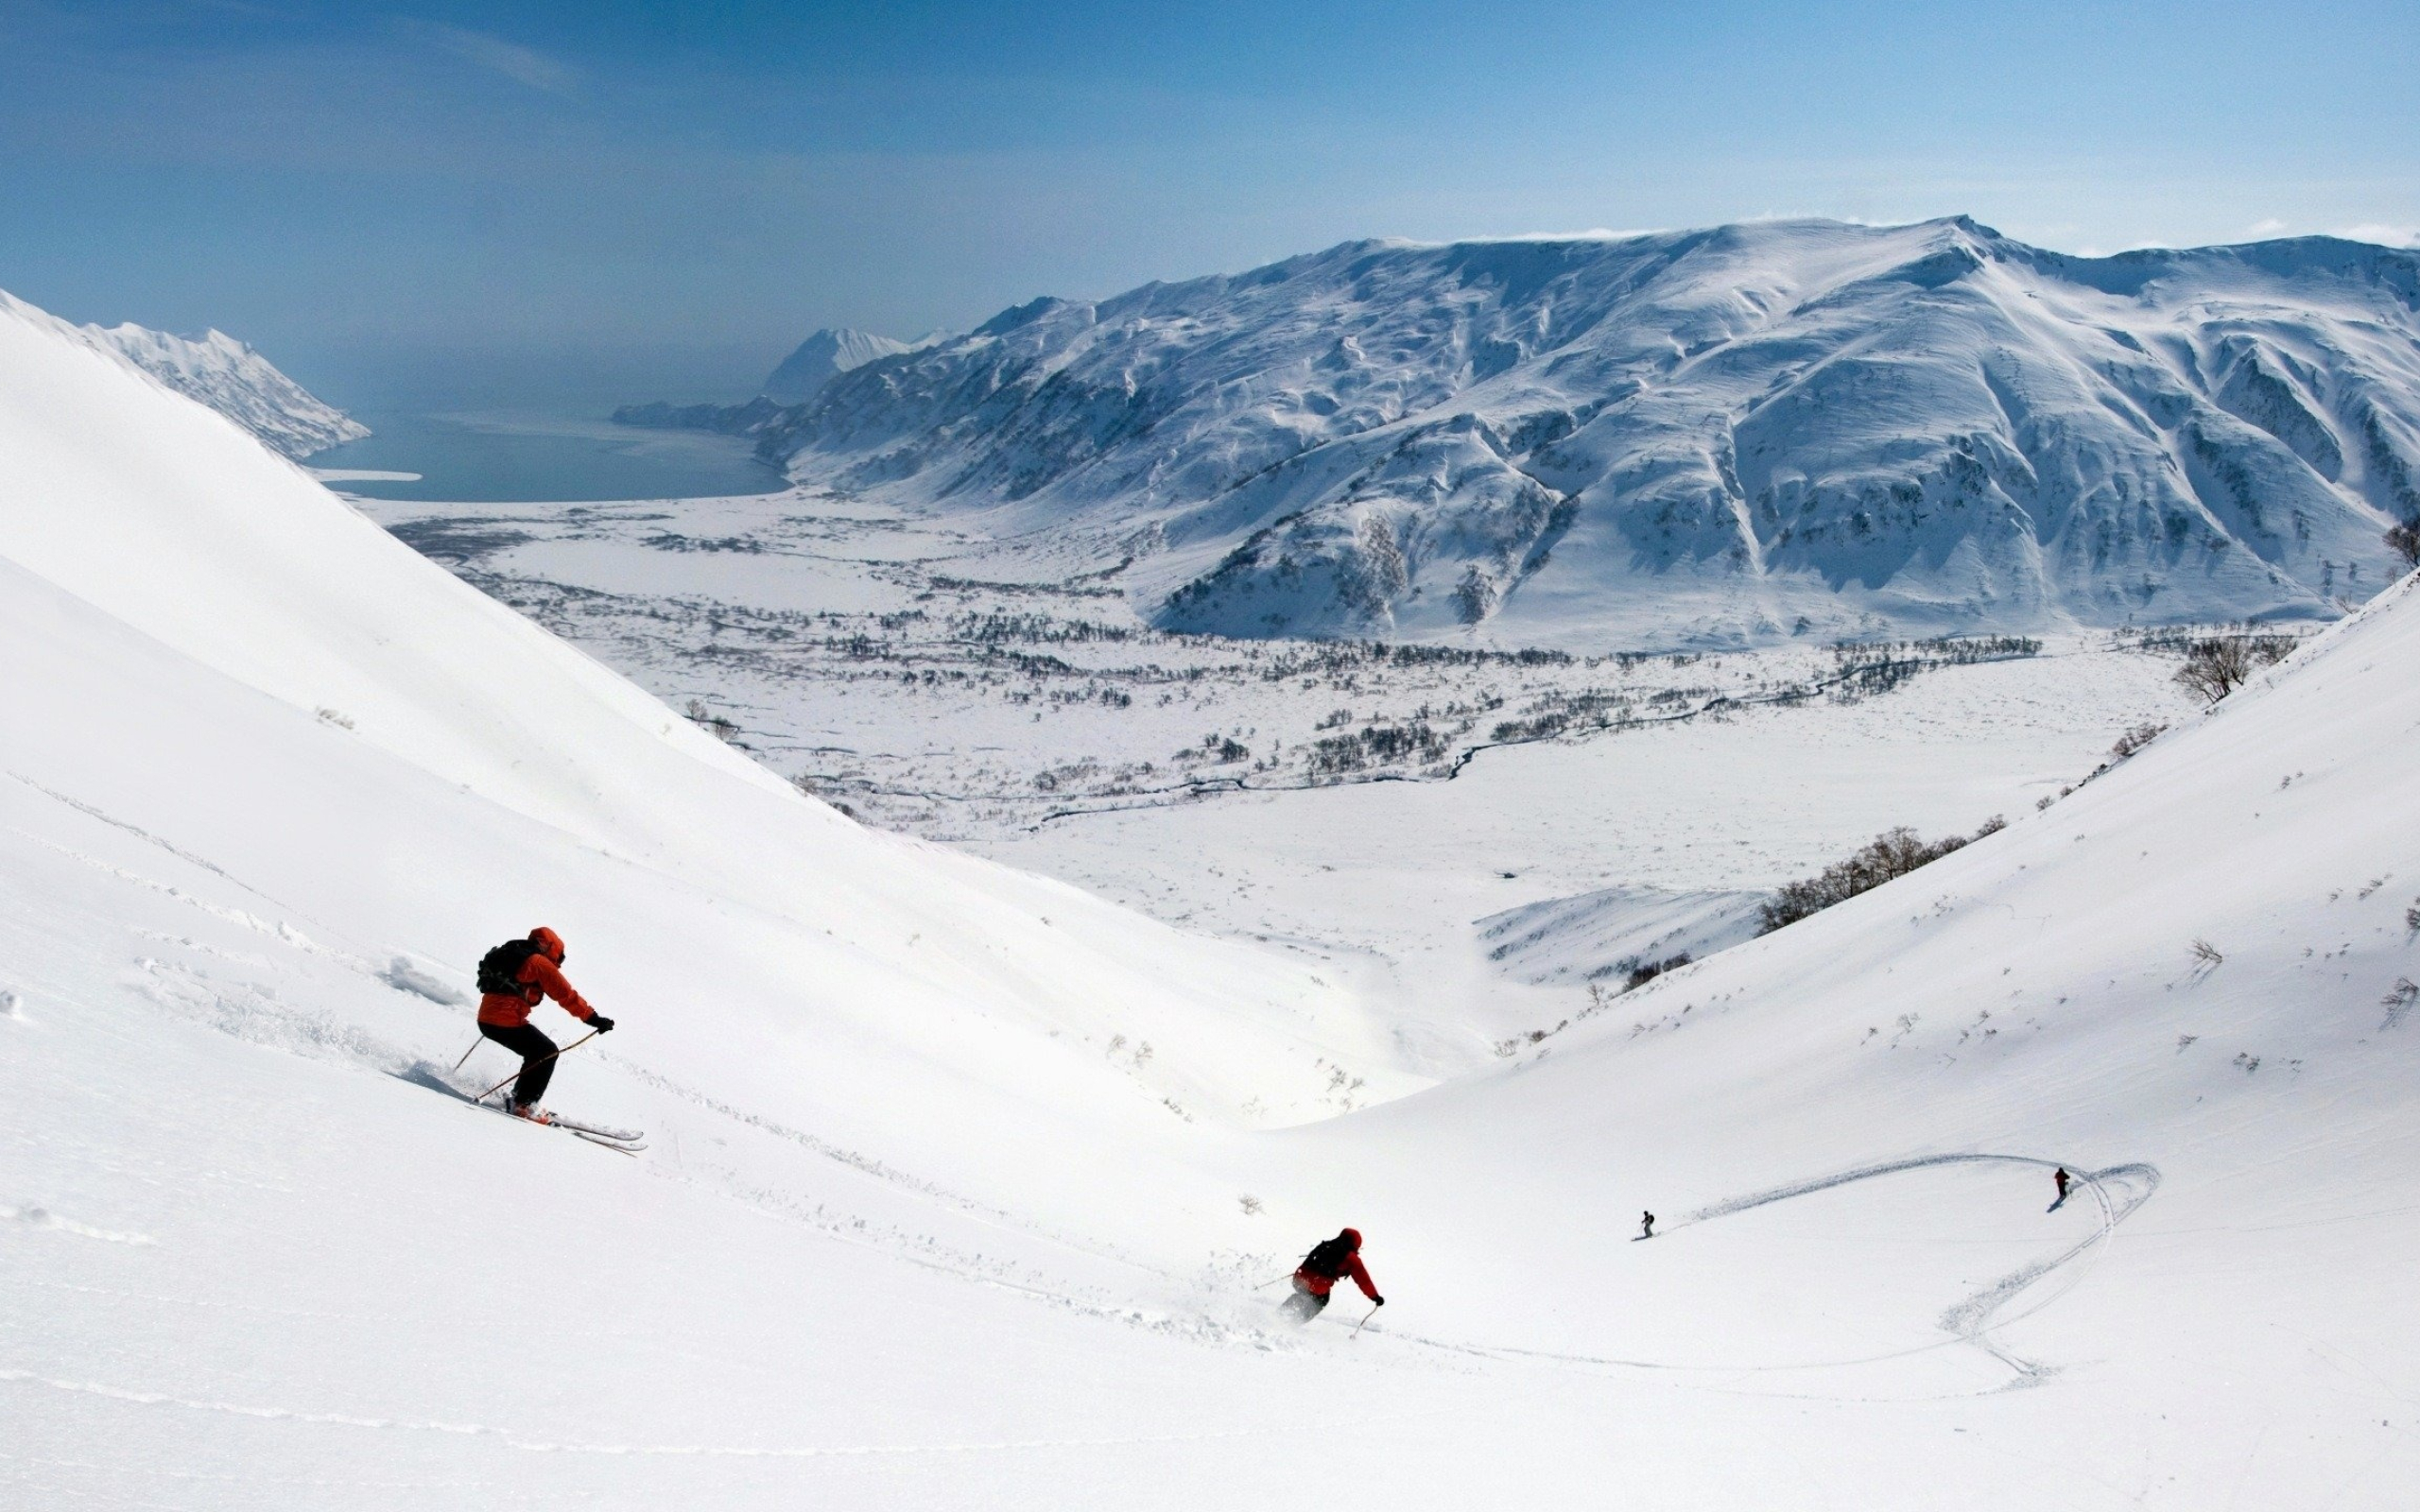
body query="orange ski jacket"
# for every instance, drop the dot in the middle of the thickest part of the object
(540, 978)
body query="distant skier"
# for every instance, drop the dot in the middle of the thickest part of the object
(514, 977)
(2059, 1177)
(1647, 1225)
(1329, 1262)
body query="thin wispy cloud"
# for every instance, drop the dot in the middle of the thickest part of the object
(523, 65)
(2406, 236)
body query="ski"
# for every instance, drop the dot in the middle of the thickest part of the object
(617, 1136)
(630, 1149)
(628, 1141)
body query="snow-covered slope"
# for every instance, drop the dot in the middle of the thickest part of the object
(1601, 937)
(239, 383)
(918, 1223)
(258, 590)
(822, 357)
(1704, 436)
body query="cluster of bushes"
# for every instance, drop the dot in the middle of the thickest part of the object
(1638, 971)
(1893, 853)
(995, 628)
(1217, 749)
(1586, 709)
(2134, 740)
(2217, 665)
(1377, 746)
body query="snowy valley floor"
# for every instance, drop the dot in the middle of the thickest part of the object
(1373, 812)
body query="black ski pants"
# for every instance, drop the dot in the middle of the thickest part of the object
(1305, 1304)
(537, 1055)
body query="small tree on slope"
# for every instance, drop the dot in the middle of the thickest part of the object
(1892, 853)
(2217, 667)
(2404, 539)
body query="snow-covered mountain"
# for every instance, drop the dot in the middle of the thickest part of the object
(822, 357)
(1701, 437)
(239, 383)
(961, 1187)
(801, 376)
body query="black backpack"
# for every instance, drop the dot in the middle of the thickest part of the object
(1327, 1258)
(500, 969)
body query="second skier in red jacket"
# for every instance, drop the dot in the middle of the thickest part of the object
(1329, 1262)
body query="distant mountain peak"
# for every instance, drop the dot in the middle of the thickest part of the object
(822, 357)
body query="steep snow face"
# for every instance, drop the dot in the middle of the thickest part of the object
(1704, 437)
(239, 383)
(822, 357)
(133, 516)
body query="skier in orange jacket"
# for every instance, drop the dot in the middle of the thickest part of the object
(513, 978)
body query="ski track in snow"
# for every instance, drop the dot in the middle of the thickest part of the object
(45, 1218)
(1968, 1322)
(513, 1439)
(143, 835)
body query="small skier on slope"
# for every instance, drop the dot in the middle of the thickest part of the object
(1647, 1225)
(2059, 1177)
(514, 977)
(1329, 1262)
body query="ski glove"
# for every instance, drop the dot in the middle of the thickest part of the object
(1377, 1302)
(600, 1024)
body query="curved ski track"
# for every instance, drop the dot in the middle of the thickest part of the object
(1970, 1321)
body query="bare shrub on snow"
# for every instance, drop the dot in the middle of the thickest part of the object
(2398, 1002)
(2217, 665)
(1637, 971)
(806, 784)
(2134, 740)
(1892, 853)
(720, 728)
(2404, 541)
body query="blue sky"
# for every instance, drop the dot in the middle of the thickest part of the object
(681, 192)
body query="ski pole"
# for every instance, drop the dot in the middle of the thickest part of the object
(466, 1054)
(540, 1061)
(1365, 1320)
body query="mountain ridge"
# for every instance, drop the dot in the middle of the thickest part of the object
(1704, 436)
(235, 380)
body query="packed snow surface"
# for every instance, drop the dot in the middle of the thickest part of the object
(1703, 438)
(962, 1188)
(239, 383)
